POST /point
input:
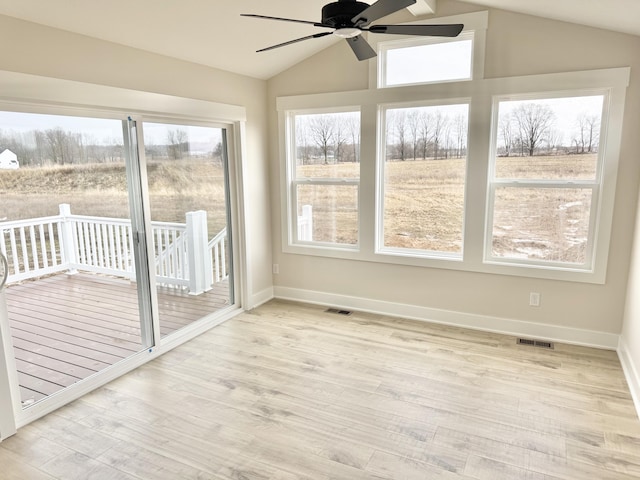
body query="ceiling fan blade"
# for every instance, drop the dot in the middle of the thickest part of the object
(315, 24)
(317, 35)
(361, 48)
(450, 30)
(380, 9)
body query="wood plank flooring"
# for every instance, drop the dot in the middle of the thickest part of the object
(68, 327)
(289, 392)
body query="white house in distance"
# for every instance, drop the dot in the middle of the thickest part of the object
(8, 160)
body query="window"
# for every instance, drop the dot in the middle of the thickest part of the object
(426, 60)
(545, 180)
(448, 176)
(424, 173)
(411, 60)
(324, 169)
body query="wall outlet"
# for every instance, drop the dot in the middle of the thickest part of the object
(276, 269)
(534, 299)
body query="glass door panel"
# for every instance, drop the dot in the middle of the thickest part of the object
(66, 231)
(188, 195)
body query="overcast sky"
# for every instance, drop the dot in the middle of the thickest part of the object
(101, 130)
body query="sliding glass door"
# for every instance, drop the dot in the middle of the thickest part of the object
(67, 233)
(117, 234)
(186, 167)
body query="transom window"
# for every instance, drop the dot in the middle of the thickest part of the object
(426, 60)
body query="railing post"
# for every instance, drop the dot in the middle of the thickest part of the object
(305, 224)
(68, 247)
(199, 259)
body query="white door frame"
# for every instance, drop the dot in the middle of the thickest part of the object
(84, 99)
(9, 390)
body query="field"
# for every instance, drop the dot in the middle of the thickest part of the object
(424, 205)
(175, 187)
(423, 202)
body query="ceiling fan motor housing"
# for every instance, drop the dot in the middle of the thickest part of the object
(339, 14)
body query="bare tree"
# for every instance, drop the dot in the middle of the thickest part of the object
(533, 121)
(506, 132)
(426, 120)
(303, 149)
(440, 132)
(413, 123)
(322, 131)
(352, 125)
(177, 143)
(397, 123)
(588, 133)
(61, 146)
(460, 134)
(554, 139)
(339, 139)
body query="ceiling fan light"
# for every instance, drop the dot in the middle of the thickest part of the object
(347, 32)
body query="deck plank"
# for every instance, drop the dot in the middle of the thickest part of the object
(60, 350)
(67, 366)
(68, 327)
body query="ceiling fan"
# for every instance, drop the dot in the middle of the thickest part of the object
(349, 18)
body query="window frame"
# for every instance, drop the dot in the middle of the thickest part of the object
(385, 47)
(293, 182)
(475, 26)
(595, 185)
(380, 248)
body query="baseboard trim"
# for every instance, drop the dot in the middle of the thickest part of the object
(260, 298)
(573, 336)
(631, 372)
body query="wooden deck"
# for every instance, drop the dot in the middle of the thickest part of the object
(68, 327)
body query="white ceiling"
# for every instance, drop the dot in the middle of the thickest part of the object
(212, 32)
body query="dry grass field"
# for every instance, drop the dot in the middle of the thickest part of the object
(175, 187)
(423, 203)
(424, 206)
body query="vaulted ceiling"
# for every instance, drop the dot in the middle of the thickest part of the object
(213, 33)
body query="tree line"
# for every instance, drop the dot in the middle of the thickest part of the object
(327, 138)
(426, 133)
(411, 134)
(56, 146)
(530, 129)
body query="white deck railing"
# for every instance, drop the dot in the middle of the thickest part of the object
(184, 257)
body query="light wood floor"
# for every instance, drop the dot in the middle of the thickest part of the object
(290, 392)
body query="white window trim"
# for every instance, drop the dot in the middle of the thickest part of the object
(475, 23)
(482, 92)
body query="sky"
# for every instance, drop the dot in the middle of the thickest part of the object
(101, 130)
(440, 61)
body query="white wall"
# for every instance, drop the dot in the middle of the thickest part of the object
(39, 50)
(629, 350)
(516, 45)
